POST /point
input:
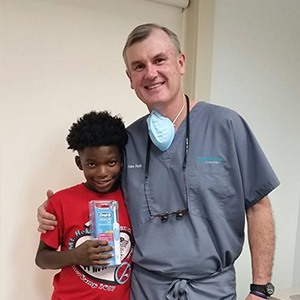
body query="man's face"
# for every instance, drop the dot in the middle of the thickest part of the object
(154, 69)
(101, 167)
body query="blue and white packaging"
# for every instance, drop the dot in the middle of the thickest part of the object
(104, 219)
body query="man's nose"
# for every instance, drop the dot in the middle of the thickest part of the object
(151, 71)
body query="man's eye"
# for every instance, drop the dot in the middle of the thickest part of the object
(138, 67)
(90, 165)
(159, 61)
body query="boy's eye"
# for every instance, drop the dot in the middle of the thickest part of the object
(112, 163)
(90, 165)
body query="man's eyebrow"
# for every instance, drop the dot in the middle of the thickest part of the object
(135, 62)
(158, 55)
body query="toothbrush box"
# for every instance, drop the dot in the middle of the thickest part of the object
(104, 219)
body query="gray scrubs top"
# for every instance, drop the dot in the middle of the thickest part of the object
(226, 173)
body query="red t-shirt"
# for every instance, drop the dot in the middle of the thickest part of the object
(70, 206)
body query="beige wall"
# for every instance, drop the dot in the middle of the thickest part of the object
(61, 58)
(246, 56)
(256, 71)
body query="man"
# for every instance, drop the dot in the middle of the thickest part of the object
(192, 172)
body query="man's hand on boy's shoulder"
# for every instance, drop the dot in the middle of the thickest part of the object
(46, 220)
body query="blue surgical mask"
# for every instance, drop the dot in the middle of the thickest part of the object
(161, 130)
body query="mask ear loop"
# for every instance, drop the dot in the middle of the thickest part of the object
(147, 173)
(186, 151)
(187, 133)
(148, 157)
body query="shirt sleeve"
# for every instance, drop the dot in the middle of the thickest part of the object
(52, 238)
(258, 177)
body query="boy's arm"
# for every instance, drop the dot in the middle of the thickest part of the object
(91, 252)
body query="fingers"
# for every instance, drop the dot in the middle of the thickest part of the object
(49, 194)
(46, 220)
(101, 246)
(102, 259)
(101, 262)
(45, 217)
(45, 228)
(41, 230)
(93, 252)
(104, 252)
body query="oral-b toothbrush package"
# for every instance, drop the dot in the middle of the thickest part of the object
(104, 219)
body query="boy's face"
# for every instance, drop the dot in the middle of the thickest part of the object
(101, 167)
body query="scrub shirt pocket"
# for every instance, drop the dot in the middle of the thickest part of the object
(209, 191)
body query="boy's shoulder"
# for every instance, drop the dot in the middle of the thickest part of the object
(70, 189)
(68, 192)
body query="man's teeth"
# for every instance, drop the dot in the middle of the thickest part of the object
(150, 87)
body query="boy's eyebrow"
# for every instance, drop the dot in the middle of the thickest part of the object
(89, 159)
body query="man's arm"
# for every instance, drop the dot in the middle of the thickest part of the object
(91, 252)
(261, 236)
(46, 220)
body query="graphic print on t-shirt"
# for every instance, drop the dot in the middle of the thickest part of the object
(110, 276)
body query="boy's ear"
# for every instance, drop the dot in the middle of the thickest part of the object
(78, 162)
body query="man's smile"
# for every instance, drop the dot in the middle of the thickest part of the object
(154, 86)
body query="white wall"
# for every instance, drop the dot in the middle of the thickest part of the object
(256, 71)
(59, 59)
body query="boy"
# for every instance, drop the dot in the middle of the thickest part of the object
(99, 139)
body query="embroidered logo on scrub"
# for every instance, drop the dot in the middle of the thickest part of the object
(134, 166)
(210, 159)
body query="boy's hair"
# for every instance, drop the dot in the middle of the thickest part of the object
(97, 129)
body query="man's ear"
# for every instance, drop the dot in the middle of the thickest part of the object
(129, 77)
(181, 61)
(78, 162)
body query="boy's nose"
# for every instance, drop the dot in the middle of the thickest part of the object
(102, 172)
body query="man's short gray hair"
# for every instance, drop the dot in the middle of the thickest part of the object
(143, 31)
